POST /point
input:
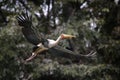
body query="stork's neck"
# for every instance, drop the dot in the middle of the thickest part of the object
(58, 39)
(53, 43)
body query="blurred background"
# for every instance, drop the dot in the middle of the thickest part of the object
(95, 23)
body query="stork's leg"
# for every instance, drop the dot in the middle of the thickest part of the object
(37, 51)
(31, 57)
(40, 49)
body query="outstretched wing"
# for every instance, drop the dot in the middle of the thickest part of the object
(62, 52)
(29, 32)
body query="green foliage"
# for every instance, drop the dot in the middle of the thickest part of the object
(80, 72)
(96, 27)
(109, 50)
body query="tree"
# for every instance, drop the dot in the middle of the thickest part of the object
(96, 23)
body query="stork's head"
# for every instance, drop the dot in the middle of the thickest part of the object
(66, 36)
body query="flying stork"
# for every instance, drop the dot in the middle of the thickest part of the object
(43, 44)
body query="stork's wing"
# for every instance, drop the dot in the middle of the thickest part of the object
(60, 51)
(29, 32)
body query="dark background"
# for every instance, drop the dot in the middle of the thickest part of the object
(96, 23)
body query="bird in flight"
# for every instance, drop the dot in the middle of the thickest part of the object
(41, 43)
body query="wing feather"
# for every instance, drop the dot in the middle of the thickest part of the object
(29, 32)
(60, 51)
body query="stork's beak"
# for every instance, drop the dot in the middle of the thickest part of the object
(66, 36)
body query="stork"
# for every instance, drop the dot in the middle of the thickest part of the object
(43, 44)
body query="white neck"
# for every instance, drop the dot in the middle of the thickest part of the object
(58, 40)
(53, 43)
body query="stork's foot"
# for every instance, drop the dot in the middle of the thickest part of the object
(31, 57)
(37, 51)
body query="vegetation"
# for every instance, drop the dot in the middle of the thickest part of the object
(96, 23)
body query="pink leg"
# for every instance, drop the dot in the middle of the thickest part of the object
(31, 57)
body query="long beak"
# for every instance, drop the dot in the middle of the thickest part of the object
(66, 36)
